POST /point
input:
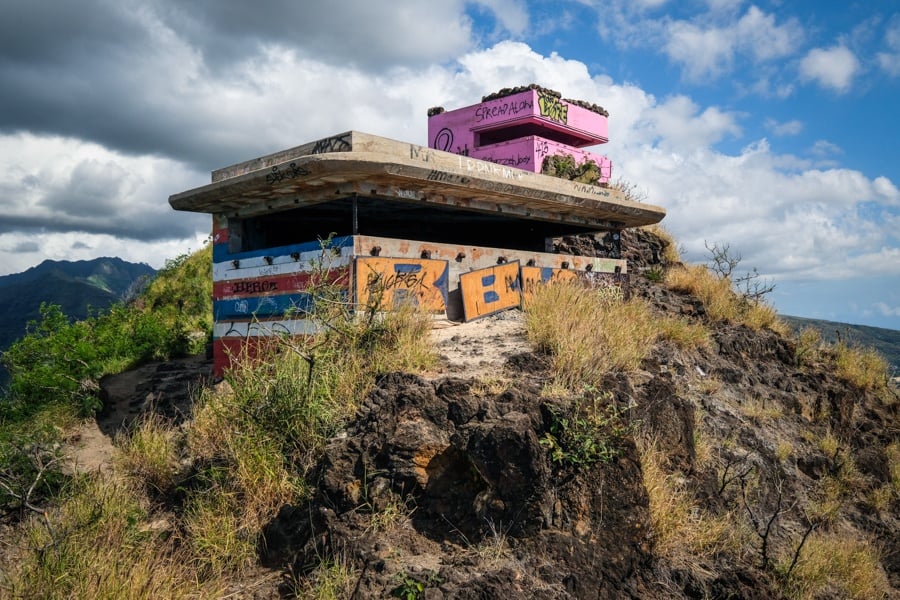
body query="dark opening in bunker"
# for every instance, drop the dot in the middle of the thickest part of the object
(395, 219)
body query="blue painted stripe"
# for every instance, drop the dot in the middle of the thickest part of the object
(221, 254)
(407, 268)
(443, 282)
(488, 280)
(261, 306)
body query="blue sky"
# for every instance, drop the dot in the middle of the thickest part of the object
(769, 126)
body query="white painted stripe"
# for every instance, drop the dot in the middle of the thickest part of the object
(241, 329)
(257, 266)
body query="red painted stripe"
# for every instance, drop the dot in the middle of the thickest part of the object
(278, 284)
(219, 235)
(229, 352)
(234, 351)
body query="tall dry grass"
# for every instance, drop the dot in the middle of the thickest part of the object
(836, 565)
(235, 463)
(588, 332)
(862, 367)
(720, 300)
(98, 543)
(670, 254)
(254, 440)
(684, 533)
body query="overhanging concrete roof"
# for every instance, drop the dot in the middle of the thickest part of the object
(355, 163)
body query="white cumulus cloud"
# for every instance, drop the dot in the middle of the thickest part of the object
(833, 68)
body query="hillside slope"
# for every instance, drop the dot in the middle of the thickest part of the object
(886, 341)
(740, 466)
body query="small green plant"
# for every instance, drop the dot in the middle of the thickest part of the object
(565, 167)
(655, 274)
(591, 432)
(410, 588)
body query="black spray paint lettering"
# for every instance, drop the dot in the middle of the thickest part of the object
(443, 140)
(444, 176)
(337, 143)
(292, 172)
(513, 161)
(486, 113)
(254, 287)
(410, 279)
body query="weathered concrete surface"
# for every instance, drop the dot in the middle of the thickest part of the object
(371, 166)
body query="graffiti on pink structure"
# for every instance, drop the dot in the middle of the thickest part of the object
(553, 108)
(492, 131)
(499, 108)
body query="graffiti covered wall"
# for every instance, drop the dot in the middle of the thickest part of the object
(478, 131)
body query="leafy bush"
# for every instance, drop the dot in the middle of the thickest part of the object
(591, 432)
(565, 167)
(63, 361)
(30, 458)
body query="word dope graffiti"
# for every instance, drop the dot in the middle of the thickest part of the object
(553, 108)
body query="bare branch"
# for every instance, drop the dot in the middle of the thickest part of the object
(721, 261)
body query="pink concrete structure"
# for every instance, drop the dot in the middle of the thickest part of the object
(522, 129)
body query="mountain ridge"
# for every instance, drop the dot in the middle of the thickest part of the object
(78, 287)
(885, 341)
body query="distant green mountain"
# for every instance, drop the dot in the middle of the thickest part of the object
(79, 287)
(886, 341)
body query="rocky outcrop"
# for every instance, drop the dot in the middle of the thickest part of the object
(472, 477)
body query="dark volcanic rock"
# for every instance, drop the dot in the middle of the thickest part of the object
(473, 474)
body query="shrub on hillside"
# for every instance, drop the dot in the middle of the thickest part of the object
(62, 361)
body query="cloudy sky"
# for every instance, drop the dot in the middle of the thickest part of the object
(770, 126)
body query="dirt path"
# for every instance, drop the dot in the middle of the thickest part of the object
(166, 388)
(481, 347)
